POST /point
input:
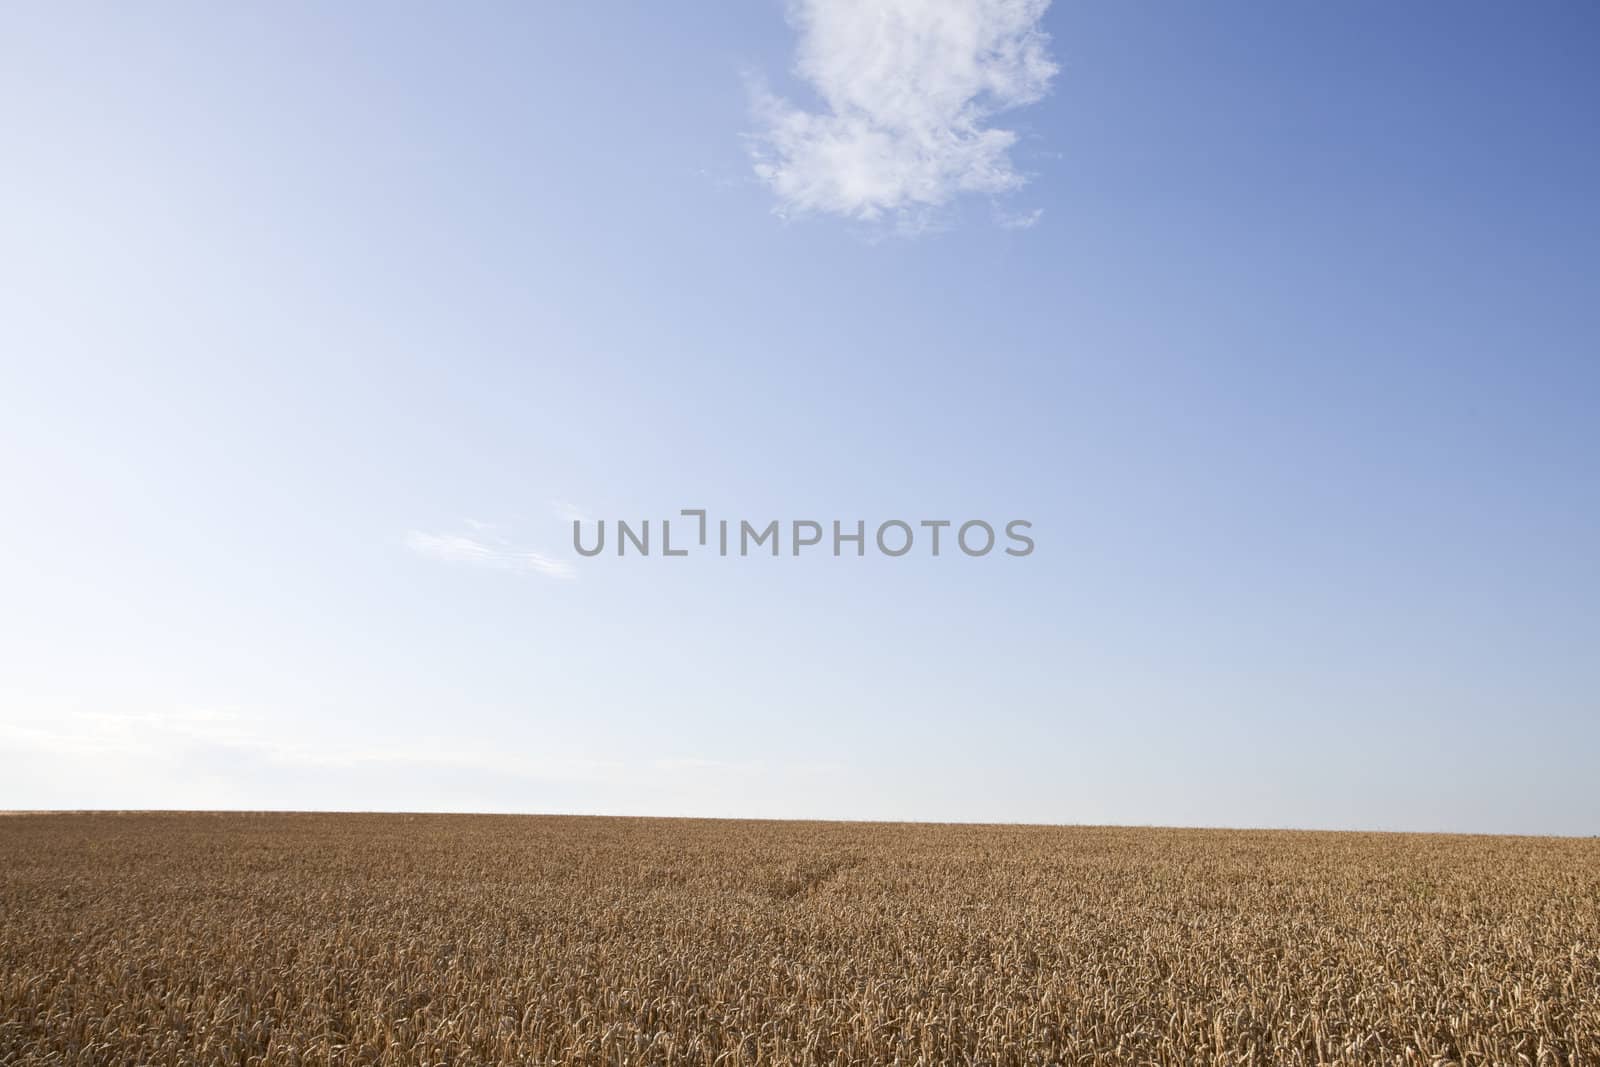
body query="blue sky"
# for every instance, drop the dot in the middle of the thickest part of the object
(1278, 322)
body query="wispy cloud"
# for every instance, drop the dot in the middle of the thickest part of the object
(567, 511)
(235, 739)
(1021, 220)
(483, 547)
(908, 88)
(158, 735)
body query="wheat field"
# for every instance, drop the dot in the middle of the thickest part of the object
(247, 939)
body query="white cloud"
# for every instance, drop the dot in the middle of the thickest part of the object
(226, 759)
(1023, 220)
(907, 87)
(567, 511)
(484, 548)
(165, 735)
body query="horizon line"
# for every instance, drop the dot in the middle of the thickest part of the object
(977, 824)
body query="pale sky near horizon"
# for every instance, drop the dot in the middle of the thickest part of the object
(1279, 323)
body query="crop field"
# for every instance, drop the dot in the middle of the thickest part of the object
(422, 940)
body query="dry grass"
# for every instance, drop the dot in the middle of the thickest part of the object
(372, 939)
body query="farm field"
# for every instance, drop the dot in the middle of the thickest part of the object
(256, 939)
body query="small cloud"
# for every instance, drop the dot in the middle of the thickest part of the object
(567, 511)
(483, 548)
(908, 88)
(1025, 220)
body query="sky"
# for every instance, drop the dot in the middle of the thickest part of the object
(1279, 324)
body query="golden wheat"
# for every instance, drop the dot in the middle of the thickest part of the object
(421, 940)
